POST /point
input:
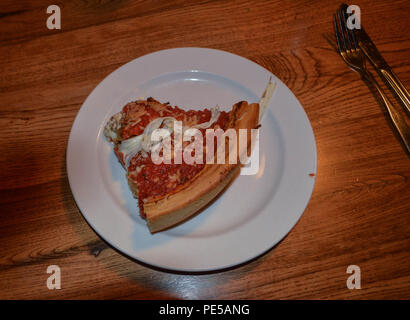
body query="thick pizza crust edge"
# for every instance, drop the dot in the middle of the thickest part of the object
(196, 194)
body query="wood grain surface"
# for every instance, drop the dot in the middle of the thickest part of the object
(359, 211)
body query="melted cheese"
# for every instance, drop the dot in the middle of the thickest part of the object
(130, 147)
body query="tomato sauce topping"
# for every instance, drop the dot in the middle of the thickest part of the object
(154, 180)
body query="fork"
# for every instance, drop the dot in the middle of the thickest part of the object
(352, 54)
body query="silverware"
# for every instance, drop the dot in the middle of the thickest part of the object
(382, 68)
(380, 65)
(354, 58)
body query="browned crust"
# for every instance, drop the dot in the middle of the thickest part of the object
(197, 193)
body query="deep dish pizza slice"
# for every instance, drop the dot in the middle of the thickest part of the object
(169, 193)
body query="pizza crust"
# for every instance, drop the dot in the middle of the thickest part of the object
(195, 194)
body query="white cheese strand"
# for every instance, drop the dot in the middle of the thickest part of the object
(266, 96)
(131, 146)
(147, 144)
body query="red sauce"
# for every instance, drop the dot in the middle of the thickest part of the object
(157, 180)
(129, 128)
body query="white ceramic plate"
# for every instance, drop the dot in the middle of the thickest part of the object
(250, 217)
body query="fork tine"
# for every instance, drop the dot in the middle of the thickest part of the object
(342, 30)
(349, 32)
(354, 39)
(352, 33)
(347, 29)
(343, 7)
(339, 44)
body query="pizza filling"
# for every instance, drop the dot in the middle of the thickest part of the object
(131, 132)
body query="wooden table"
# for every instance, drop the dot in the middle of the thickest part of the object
(359, 211)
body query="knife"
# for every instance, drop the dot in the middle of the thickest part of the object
(382, 68)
